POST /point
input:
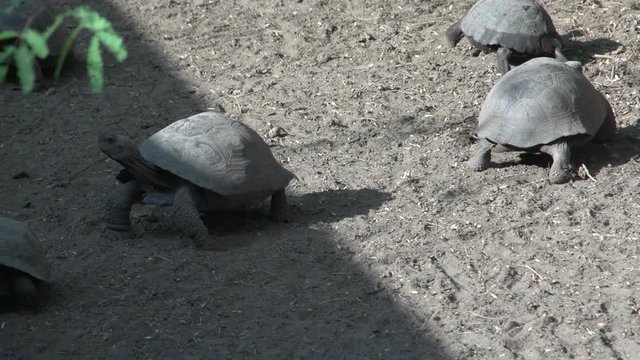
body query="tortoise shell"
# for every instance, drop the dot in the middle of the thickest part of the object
(520, 25)
(541, 101)
(216, 153)
(20, 249)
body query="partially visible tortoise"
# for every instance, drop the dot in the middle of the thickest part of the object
(204, 162)
(512, 27)
(543, 105)
(41, 15)
(22, 261)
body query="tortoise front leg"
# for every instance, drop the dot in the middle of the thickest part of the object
(560, 171)
(503, 54)
(186, 218)
(454, 34)
(119, 204)
(482, 158)
(279, 206)
(557, 46)
(6, 282)
(25, 289)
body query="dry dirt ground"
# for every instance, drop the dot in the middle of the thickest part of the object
(395, 249)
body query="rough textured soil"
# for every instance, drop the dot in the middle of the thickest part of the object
(396, 250)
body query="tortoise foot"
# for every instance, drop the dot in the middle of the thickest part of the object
(482, 158)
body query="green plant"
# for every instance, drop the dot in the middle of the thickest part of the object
(22, 48)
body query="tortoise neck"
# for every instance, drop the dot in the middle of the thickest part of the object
(146, 172)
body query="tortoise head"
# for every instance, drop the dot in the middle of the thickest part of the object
(118, 147)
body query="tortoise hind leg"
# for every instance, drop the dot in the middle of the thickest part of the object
(279, 206)
(186, 218)
(560, 171)
(482, 158)
(607, 130)
(557, 52)
(454, 34)
(503, 54)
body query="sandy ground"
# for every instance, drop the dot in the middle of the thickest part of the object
(396, 250)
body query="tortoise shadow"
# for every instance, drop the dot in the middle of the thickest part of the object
(585, 51)
(595, 156)
(624, 148)
(241, 229)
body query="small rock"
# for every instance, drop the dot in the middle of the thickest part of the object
(323, 57)
(277, 131)
(21, 175)
(50, 91)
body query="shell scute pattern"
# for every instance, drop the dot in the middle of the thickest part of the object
(216, 153)
(540, 102)
(520, 25)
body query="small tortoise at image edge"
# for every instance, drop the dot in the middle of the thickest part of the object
(22, 261)
(205, 162)
(509, 26)
(543, 105)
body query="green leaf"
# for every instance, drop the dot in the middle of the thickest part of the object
(113, 42)
(6, 35)
(91, 19)
(23, 58)
(66, 49)
(6, 53)
(4, 69)
(54, 26)
(94, 65)
(37, 42)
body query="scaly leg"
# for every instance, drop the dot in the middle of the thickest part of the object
(560, 171)
(503, 55)
(119, 204)
(482, 158)
(279, 207)
(454, 34)
(186, 218)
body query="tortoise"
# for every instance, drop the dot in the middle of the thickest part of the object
(22, 261)
(510, 27)
(206, 162)
(41, 16)
(543, 105)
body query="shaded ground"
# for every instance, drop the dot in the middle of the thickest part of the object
(395, 250)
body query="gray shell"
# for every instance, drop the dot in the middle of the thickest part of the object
(541, 101)
(20, 249)
(216, 153)
(17, 18)
(521, 25)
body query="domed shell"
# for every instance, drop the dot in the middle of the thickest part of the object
(216, 153)
(541, 101)
(20, 249)
(521, 25)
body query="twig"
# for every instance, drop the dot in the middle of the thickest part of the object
(533, 271)
(164, 258)
(72, 177)
(332, 300)
(486, 317)
(586, 172)
(602, 56)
